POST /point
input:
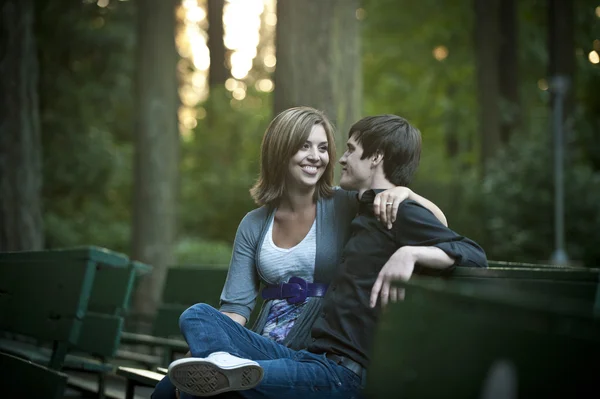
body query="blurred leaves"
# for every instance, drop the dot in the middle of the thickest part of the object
(86, 115)
(220, 164)
(518, 194)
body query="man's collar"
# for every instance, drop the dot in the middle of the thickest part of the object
(369, 196)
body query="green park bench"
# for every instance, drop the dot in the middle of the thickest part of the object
(64, 309)
(443, 340)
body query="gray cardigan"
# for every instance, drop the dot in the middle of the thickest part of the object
(244, 279)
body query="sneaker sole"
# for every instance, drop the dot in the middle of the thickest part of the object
(204, 378)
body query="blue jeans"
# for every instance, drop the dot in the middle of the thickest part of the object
(287, 373)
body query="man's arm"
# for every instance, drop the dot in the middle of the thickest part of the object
(401, 265)
(423, 240)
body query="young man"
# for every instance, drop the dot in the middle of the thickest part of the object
(382, 152)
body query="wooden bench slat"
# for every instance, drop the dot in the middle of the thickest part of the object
(153, 341)
(141, 377)
(41, 355)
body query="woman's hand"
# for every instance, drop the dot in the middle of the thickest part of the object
(236, 317)
(386, 203)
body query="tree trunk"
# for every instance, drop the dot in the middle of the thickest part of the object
(21, 224)
(508, 68)
(157, 149)
(318, 60)
(487, 41)
(218, 72)
(561, 48)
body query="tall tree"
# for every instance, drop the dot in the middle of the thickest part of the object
(318, 59)
(21, 225)
(156, 148)
(218, 72)
(487, 40)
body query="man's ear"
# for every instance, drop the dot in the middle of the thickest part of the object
(377, 158)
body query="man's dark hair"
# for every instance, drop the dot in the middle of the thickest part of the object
(397, 140)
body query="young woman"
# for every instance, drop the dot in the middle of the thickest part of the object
(292, 243)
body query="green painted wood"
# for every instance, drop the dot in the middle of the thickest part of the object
(192, 285)
(83, 362)
(561, 274)
(444, 337)
(24, 379)
(100, 334)
(140, 377)
(499, 263)
(40, 325)
(112, 289)
(43, 302)
(42, 355)
(58, 288)
(166, 322)
(139, 269)
(91, 253)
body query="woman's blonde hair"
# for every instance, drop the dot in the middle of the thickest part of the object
(283, 138)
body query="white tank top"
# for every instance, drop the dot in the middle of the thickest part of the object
(277, 265)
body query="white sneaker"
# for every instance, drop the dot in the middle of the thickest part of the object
(219, 372)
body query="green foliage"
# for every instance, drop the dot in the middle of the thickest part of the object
(86, 64)
(518, 204)
(402, 75)
(193, 251)
(220, 164)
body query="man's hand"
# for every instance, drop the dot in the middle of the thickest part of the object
(400, 267)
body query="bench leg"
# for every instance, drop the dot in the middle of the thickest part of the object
(130, 390)
(59, 353)
(101, 386)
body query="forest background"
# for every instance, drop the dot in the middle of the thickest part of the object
(136, 125)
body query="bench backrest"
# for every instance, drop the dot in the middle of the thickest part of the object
(108, 306)
(73, 296)
(186, 286)
(444, 338)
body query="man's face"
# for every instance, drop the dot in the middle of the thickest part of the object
(356, 173)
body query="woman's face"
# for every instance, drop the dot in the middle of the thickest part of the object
(306, 167)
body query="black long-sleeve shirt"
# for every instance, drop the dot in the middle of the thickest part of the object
(347, 323)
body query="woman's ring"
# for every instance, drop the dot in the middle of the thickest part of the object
(389, 203)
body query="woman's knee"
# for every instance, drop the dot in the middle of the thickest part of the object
(194, 313)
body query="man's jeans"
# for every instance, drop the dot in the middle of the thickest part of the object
(287, 373)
